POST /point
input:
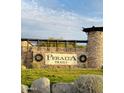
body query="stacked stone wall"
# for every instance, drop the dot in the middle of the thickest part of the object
(95, 49)
(42, 50)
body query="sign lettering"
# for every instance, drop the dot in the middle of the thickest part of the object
(60, 59)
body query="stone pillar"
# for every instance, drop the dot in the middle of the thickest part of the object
(94, 46)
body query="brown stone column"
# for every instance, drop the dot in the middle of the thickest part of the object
(94, 47)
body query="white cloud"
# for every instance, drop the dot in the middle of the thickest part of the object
(45, 22)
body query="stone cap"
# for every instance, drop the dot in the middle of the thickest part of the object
(54, 40)
(93, 29)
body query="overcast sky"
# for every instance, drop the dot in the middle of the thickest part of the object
(59, 18)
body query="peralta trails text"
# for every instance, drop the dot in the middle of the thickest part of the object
(67, 58)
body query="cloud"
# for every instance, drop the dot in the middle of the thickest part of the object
(42, 22)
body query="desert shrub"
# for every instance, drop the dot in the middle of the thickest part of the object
(36, 65)
(89, 84)
(23, 67)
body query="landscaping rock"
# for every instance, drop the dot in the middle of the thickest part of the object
(24, 89)
(63, 88)
(89, 84)
(41, 85)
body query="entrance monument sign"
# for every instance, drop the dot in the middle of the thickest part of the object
(60, 59)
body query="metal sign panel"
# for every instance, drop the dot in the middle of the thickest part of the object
(60, 59)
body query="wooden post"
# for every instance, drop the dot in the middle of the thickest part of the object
(56, 45)
(38, 45)
(47, 45)
(38, 42)
(66, 45)
(27, 46)
(75, 46)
